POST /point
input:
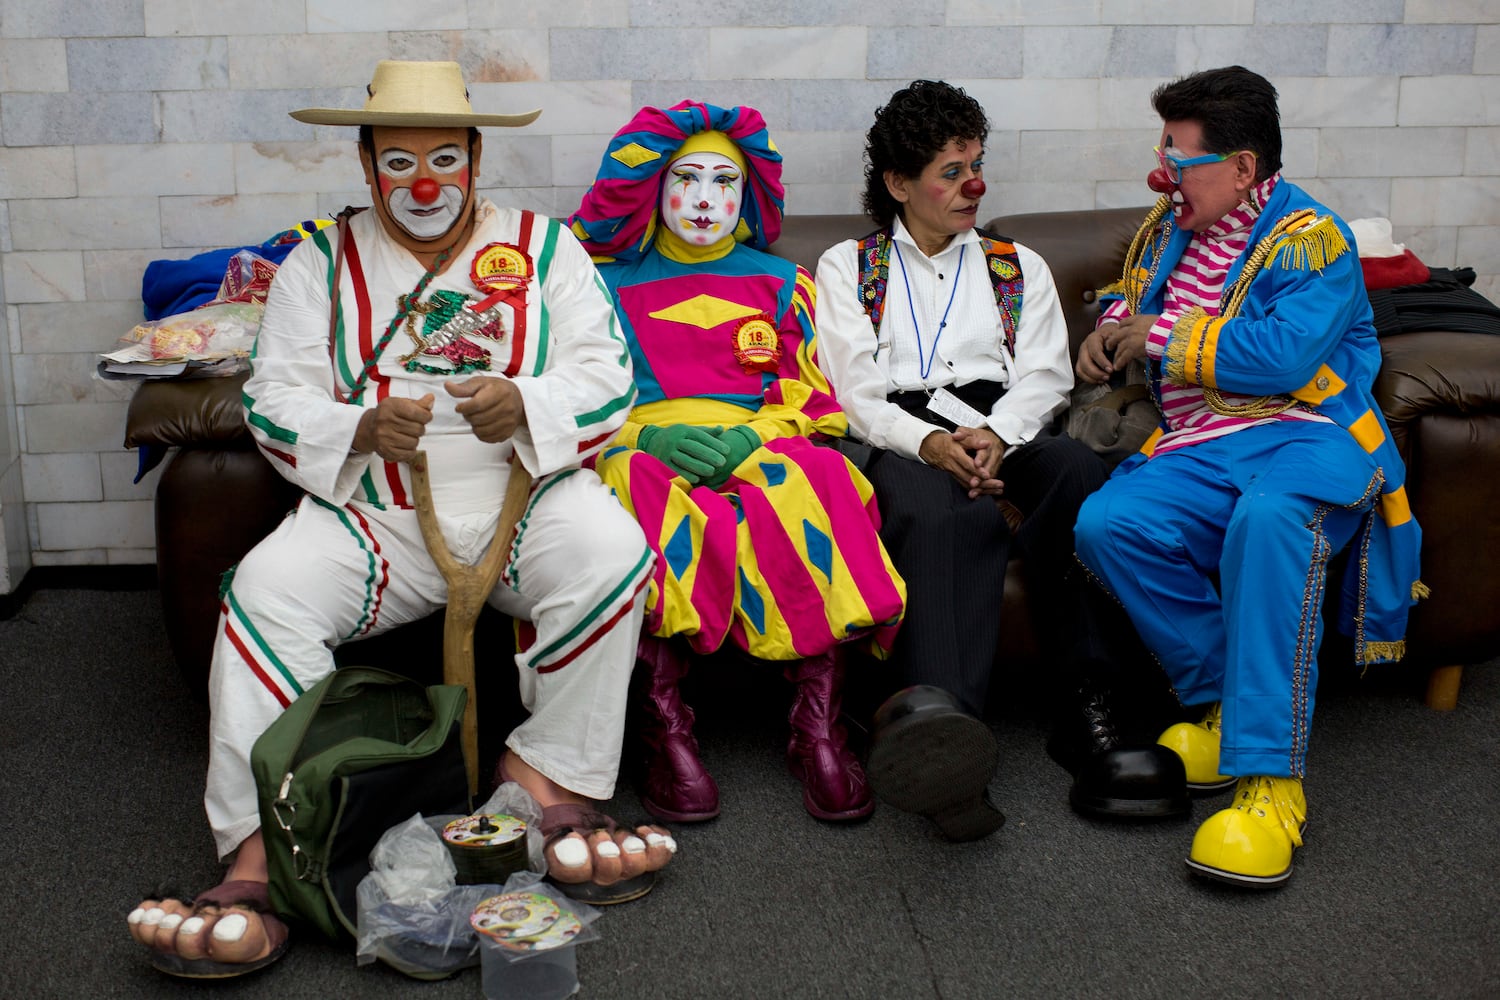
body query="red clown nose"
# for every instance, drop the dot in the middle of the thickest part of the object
(1158, 181)
(425, 191)
(973, 188)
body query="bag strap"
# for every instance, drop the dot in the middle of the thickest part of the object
(341, 225)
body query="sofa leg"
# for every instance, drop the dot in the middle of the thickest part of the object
(1442, 688)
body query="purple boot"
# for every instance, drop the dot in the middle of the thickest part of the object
(833, 783)
(677, 788)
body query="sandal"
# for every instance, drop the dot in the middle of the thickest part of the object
(574, 817)
(247, 895)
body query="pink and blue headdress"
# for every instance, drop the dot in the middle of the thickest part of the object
(617, 218)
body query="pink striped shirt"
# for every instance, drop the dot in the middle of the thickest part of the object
(1198, 280)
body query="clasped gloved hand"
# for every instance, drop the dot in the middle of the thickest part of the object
(741, 441)
(694, 453)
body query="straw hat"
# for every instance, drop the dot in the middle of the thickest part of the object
(420, 94)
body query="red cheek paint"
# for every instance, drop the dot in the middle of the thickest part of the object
(729, 206)
(676, 202)
(386, 184)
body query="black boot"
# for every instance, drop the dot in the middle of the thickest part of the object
(1112, 777)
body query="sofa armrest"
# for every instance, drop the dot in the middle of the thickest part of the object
(1436, 373)
(192, 412)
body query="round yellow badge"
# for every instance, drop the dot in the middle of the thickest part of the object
(499, 266)
(757, 345)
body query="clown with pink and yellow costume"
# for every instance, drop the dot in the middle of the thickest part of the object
(763, 537)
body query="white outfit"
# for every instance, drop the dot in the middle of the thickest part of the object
(865, 368)
(350, 561)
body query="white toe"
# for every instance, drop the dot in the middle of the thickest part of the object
(571, 853)
(230, 927)
(608, 849)
(136, 916)
(634, 845)
(191, 926)
(170, 921)
(153, 916)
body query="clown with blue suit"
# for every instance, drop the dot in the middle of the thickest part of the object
(1246, 299)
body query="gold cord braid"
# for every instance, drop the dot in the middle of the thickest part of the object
(1265, 406)
(1133, 288)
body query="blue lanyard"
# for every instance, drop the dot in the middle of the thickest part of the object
(924, 362)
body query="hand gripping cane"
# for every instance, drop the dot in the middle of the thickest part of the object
(468, 587)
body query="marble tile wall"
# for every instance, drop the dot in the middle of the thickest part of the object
(133, 130)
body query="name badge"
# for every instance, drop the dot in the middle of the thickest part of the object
(950, 407)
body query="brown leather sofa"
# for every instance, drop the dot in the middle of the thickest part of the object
(1440, 392)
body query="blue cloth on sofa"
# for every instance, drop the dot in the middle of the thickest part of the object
(169, 287)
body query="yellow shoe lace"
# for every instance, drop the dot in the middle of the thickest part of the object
(1263, 794)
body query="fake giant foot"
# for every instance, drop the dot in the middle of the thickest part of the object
(590, 857)
(594, 860)
(226, 931)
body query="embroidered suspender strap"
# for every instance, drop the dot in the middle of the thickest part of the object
(874, 271)
(1002, 264)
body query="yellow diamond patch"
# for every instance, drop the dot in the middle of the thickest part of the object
(634, 155)
(704, 312)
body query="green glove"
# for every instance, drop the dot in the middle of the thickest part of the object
(741, 441)
(691, 452)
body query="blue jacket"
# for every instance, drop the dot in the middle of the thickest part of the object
(1302, 329)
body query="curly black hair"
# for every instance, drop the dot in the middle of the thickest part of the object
(912, 128)
(1236, 109)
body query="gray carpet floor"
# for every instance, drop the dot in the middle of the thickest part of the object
(1394, 894)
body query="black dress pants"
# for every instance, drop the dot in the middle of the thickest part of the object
(952, 551)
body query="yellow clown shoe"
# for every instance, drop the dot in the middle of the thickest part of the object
(1197, 743)
(1251, 843)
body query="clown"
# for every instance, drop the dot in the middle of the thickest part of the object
(356, 367)
(764, 539)
(1243, 295)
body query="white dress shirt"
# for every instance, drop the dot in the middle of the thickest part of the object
(924, 355)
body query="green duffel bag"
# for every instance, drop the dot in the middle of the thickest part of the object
(360, 752)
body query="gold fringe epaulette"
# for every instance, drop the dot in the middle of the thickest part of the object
(1113, 288)
(1384, 652)
(1420, 591)
(1312, 246)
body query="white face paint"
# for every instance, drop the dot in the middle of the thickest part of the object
(440, 176)
(700, 201)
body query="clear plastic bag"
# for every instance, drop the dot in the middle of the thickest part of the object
(412, 914)
(214, 331)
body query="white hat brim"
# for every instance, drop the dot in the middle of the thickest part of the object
(415, 119)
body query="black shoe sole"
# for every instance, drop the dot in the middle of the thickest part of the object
(938, 766)
(1129, 809)
(1238, 880)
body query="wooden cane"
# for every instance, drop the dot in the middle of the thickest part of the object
(468, 588)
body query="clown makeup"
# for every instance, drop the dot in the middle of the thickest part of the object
(1203, 186)
(700, 201)
(943, 200)
(424, 184)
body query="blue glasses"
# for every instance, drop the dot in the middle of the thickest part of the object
(1175, 165)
